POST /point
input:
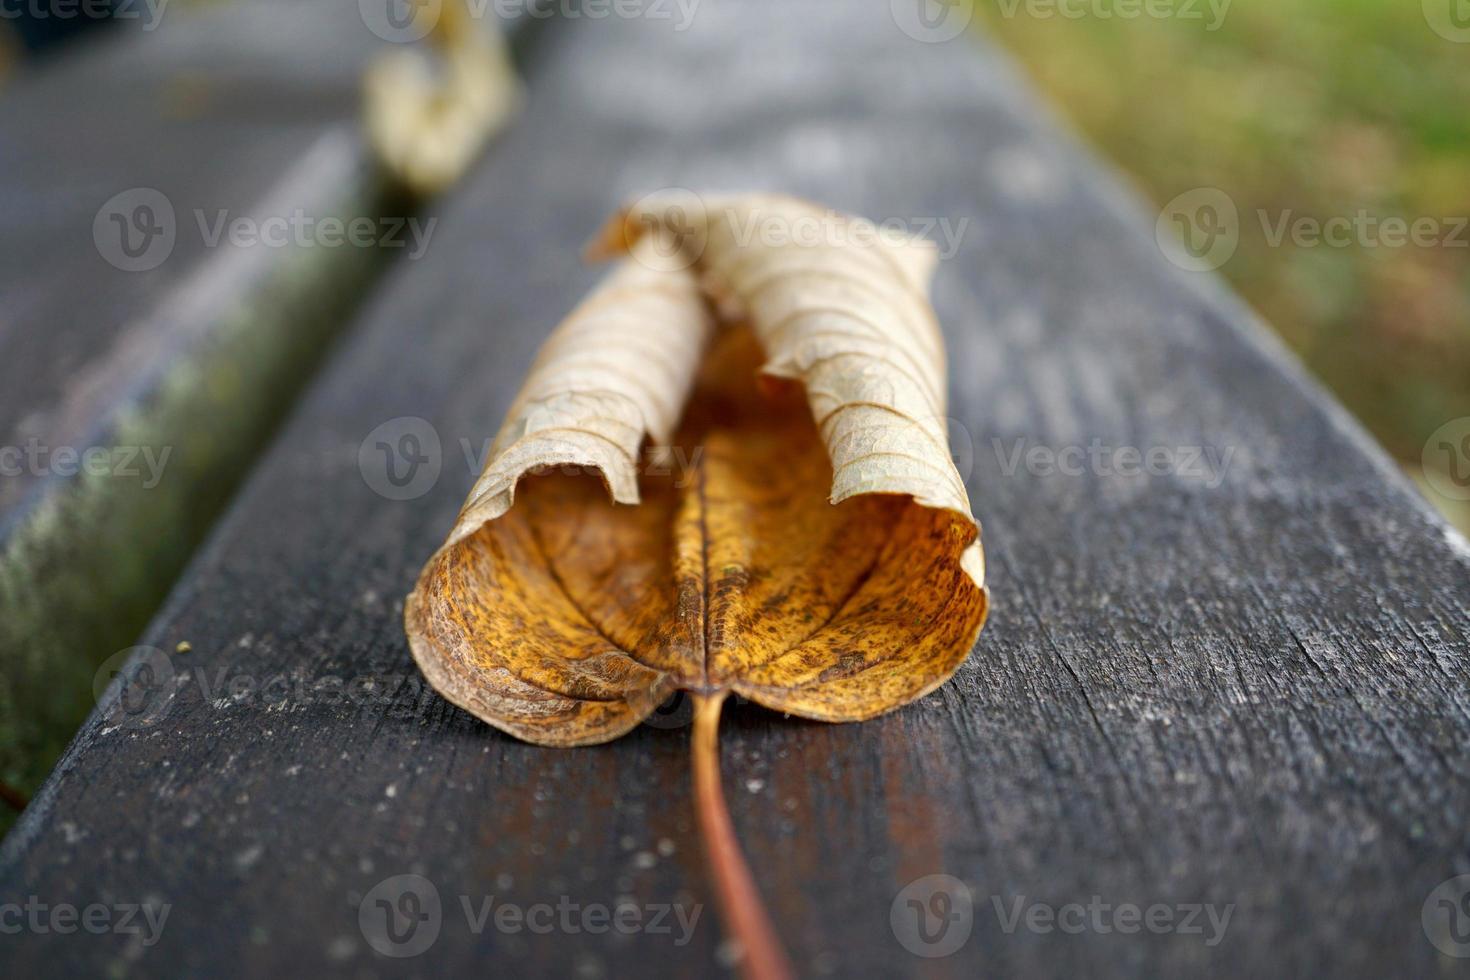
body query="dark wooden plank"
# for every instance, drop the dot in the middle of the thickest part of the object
(173, 370)
(1248, 692)
(210, 110)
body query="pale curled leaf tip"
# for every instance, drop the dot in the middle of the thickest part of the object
(820, 560)
(618, 369)
(841, 305)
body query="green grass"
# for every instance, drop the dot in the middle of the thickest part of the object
(1318, 107)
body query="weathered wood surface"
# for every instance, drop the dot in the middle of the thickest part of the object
(211, 110)
(1250, 693)
(173, 372)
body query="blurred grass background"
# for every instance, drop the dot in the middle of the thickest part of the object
(1321, 108)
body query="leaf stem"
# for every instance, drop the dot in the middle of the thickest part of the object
(742, 911)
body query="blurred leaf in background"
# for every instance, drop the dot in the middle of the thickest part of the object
(1301, 111)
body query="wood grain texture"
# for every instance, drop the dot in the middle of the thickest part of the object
(179, 372)
(212, 110)
(1250, 692)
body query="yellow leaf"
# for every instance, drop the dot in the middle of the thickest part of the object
(819, 559)
(798, 535)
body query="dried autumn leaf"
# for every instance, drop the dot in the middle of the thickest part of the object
(834, 593)
(820, 558)
(427, 120)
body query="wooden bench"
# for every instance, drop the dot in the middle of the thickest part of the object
(149, 351)
(130, 334)
(1237, 686)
